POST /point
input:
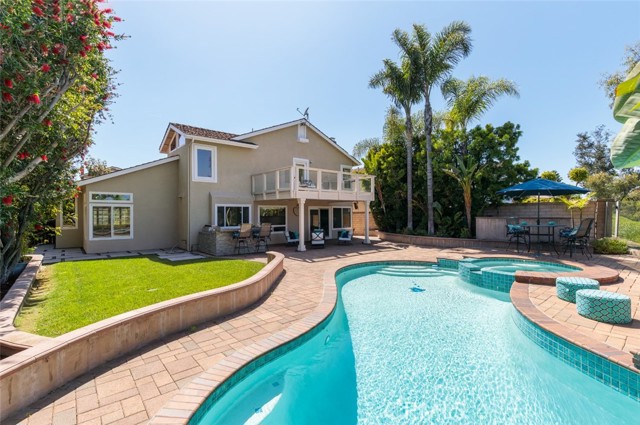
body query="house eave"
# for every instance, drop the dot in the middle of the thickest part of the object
(127, 171)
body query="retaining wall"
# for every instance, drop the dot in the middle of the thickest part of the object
(29, 375)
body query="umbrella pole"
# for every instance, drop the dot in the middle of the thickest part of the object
(538, 220)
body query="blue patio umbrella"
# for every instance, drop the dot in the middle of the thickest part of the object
(544, 187)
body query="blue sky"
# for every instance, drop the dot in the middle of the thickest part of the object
(238, 66)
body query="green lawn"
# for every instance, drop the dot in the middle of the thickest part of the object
(629, 230)
(71, 295)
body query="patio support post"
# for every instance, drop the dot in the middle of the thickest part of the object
(301, 247)
(366, 223)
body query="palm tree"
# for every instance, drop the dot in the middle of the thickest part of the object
(465, 174)
(400, 84)
(361, 148)
(436, 55)
(469, 100)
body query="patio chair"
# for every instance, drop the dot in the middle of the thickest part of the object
(263, 236)
(293, 238)
(579, 239)
(244, 236)
(344, 236)
(517, 232)
(317, 238)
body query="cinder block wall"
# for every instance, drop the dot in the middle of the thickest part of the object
(599, 210)
(357, 217)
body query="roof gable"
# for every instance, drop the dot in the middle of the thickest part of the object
(295, 123)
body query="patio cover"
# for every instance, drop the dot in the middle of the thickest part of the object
(625, 148)
(544, 187)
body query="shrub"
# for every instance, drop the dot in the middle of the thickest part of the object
(610, 246)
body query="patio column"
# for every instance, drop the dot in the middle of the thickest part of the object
(366, 223)
(301, 247)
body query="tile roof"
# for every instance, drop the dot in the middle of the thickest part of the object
(203, 132)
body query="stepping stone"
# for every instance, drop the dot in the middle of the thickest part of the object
(603, 306)
(566, 287)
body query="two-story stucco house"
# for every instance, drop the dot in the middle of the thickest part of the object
(291, 175)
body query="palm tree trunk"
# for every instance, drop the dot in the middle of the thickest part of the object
(428, 124)
(467, 206)
(409, 146)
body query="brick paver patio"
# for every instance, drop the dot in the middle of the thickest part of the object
(131, 389)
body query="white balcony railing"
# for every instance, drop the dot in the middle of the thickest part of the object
(312, 183)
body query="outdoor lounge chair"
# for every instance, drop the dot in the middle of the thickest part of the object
(344, 236)
(244, 236)
(317, 238)
(293, 238)
(263, 236)
(579, 239)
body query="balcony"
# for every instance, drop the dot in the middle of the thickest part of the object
(299, 182)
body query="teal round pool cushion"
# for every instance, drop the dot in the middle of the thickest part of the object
(567, 286)
(603, 306)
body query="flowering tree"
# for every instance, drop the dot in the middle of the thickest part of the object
(55, 85)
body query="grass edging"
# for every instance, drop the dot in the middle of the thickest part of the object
(29, 375)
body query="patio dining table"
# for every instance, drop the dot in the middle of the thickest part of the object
(547, 231)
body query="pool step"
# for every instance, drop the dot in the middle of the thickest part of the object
(413, 271)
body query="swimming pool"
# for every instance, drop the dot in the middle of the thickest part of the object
(414, 344)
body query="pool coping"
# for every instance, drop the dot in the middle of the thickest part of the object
(183, 405)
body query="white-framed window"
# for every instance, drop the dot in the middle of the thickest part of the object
(274, 214)
(341, 217)
(232, 216)
(69, 214)
(205, 161)
(302, 133)
(111, 215)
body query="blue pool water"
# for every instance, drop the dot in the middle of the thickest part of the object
(416, 345)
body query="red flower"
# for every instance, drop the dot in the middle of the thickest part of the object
(83, 88)
(106, 24)
(47, 122)
(56, 18)
(56, 9)
(57, 48)
(38, 227)
(107, 10)
(36, 10)
(83, 38)
(23, 155)
(5, 27)
(83, 53)
(7, 97)
(88, 48)
(45, 68)
(34, 98)
(26, 26)
(69, 18)
(94, 76)
(110, 33)
(8, 83)
(45, 49)
(7, 200)
(117, 18)
(45, 158)
(100, 46)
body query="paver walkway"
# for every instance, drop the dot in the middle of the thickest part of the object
(131, 389)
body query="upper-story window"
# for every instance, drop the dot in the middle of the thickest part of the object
(205, 164)
(302, 133)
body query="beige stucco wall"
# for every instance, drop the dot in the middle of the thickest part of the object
(155, 209)
(236, 165)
